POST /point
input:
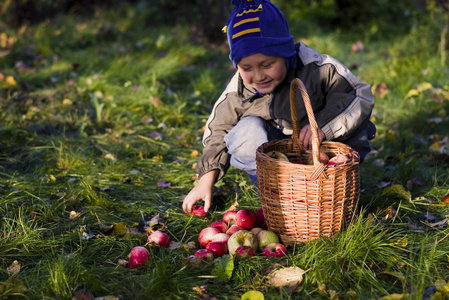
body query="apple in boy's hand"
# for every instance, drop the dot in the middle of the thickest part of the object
(261, 219)
(274, 249)
(206, 235)
(198, 210)
(160, 238)
(245, 251)
(205, 254)
(221, 237)
(338, 159)
(229, 217)
(242, 237)
(233, 229)
(218, 248)
(246, 218)
(220, 225)
(266, 237)
(138, 257)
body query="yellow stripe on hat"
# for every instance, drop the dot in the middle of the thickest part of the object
(246, 21)
(250, 11)
(243, 32)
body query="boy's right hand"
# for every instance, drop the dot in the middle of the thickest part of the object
(202, 191)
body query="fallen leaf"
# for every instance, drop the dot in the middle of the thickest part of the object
(164, 184)
(380, 90)
(11, 81)
(445, 198)
(120, 228)
(174, 245)
(253, 295)
(194, 153)
(12, 286)
(398, 191)
(14, 268)
(74, 215)
(83, 295)
(286, 277)
(156, 101)
(223, 268)
(394, 297)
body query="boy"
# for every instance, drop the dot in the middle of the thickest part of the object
(255, 106)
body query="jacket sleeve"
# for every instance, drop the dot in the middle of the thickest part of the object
(222, 119)
(349, 101)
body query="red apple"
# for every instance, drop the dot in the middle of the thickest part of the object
(261, 219)
(206, 235)
(229, 217)
(245, 251)
(233, 229)
(218, 248)
(266, 237)
(204, 254)
(159, 238)
(221, 237)
(220, 225)
(338, 159)
(138, 257)
(323, 158)
(256, 230)
(274, 249)
(242, 237)
(246, 218)
(198, 210)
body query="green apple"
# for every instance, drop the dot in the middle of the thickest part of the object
(266, 237)
(242, 238)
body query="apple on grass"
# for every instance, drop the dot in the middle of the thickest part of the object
(198, 210)
(221, 237)
(245, 251)
(205, 254)
(266, 237)
(138, 257)
(242, 238)
(233, 229)
(218, 248)
(229, 217)
(256, 230)
(246, 218)
(159, 238)
(275, 250)
(220, 225)
(206, 235)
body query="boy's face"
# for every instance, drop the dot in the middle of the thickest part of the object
(263, 73)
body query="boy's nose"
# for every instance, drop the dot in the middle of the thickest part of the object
(259, 75)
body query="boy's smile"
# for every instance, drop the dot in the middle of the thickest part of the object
(263, 73)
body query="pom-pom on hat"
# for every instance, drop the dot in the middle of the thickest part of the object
(258, 26)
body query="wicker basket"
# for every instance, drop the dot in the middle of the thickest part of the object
(303, 202)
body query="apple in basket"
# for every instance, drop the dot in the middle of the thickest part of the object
(324, 158)
(274, 249)
(338, 159)
(266, 237)
(242, 238)
(138, 257)
(278, 155)
(246, 218)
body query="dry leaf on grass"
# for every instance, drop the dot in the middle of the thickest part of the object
(14, 268)
(286, 277)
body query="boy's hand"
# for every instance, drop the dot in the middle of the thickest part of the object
(202, 191)
(305, 136)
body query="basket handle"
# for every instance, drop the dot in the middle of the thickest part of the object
(319, 166)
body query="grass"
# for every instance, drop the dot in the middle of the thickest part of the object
(102, 127)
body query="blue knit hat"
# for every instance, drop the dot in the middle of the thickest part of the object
(258, 26)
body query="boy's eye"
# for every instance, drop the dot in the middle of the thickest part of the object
(266, 65)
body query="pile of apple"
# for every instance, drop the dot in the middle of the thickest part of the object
(324, 158)
(240, 233)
